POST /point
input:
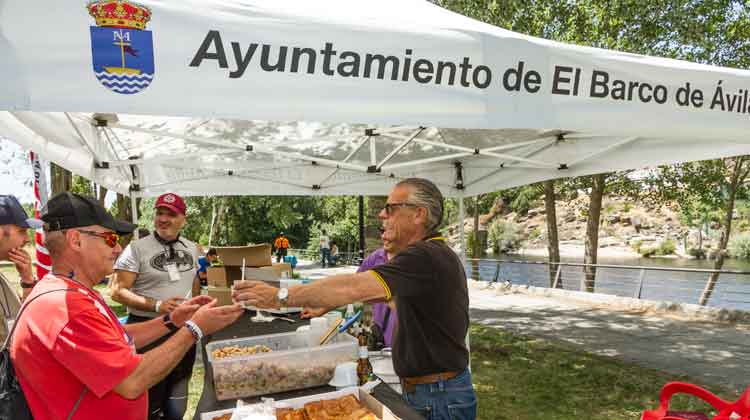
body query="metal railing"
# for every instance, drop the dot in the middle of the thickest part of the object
(344, 258)
(674, 284)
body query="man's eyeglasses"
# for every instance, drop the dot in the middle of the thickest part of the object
(389, 207)
(111, 238)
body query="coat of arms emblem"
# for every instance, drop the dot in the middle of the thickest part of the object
(122, 49)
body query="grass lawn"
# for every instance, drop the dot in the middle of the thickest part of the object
(519, 378)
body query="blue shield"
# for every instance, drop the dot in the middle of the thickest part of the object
(123, 58)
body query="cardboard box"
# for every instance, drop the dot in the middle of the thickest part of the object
(253, 273)
(280, 268)
(222, 294)
(254, 255)
(223, 276)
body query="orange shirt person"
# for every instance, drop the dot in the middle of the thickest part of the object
(282, 245)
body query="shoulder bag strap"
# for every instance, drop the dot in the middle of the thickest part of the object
(75, 407)
(23, 308)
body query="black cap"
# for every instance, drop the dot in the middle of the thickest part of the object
(11, 213)
(69, 210)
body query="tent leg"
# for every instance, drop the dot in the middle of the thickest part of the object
(461, 235)
(462, 241)
(134, 212)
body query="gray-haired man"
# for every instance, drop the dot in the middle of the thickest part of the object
(428, 280)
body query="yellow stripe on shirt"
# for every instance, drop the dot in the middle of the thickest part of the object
(385, 285)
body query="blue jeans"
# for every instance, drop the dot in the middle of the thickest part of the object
(325, 256)
(453, 399)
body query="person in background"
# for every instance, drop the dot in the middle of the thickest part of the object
(334, 256)
(152, 277)
(14, 235)
(72, 357)
(205, 262)
(282, 245)
(383, 314)
(325, 248)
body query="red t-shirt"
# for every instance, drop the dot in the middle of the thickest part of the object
(66, 341)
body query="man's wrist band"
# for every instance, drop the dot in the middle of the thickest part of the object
(157, 305)
(168, 323)
(25, 285)
(195, 330)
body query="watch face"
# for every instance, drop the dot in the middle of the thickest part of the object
(283, 293)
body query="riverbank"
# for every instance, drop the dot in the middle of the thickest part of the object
(578, 251)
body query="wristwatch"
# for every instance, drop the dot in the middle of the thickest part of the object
(168, 323)
(282, 295)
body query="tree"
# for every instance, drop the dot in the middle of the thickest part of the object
(61, 179)
(697, 186)
(553, 243)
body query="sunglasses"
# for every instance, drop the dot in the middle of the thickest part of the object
(110, 238)
(390, 207)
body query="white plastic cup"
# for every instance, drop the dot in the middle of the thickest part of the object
(318, 328)
(344, 376)
(332, 317)
(319, 323)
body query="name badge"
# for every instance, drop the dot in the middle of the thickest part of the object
(174, 273)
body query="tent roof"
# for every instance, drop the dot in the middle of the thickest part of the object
(338, 125)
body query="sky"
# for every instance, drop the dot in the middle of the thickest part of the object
(16, 174)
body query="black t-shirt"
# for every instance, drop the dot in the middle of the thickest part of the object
(428, 282)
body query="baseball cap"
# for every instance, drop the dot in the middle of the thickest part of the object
(11, 213)
(69, 210)
(171, 201)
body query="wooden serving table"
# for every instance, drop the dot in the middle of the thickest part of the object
(246, 328)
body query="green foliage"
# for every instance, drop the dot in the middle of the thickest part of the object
(525, 198)
(665, 247)
(626, 207)
(697, 253)
(636, 245)
(739, 246)
(504, 236)
(241, 220)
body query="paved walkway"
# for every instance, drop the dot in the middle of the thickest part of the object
(711, 353)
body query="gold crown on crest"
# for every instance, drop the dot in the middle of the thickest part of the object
(119, 13)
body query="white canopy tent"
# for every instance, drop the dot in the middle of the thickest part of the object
(340, 97)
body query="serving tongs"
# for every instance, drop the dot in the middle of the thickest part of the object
(338, 327)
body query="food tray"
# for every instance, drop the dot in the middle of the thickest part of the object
(290, 365)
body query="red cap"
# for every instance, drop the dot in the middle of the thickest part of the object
(171, 201)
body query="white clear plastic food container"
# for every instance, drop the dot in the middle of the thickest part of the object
(290, 365)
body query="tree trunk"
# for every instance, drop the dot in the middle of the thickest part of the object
(102, 195)
(598, 182)
(553, 245)
(737, 178)
(62, 179)
(372, 223)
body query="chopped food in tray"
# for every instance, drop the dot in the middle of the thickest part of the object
(243, 379)
(344, 408)
(227, 416)
(234, 351)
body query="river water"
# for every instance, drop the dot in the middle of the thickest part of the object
(732, 290)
